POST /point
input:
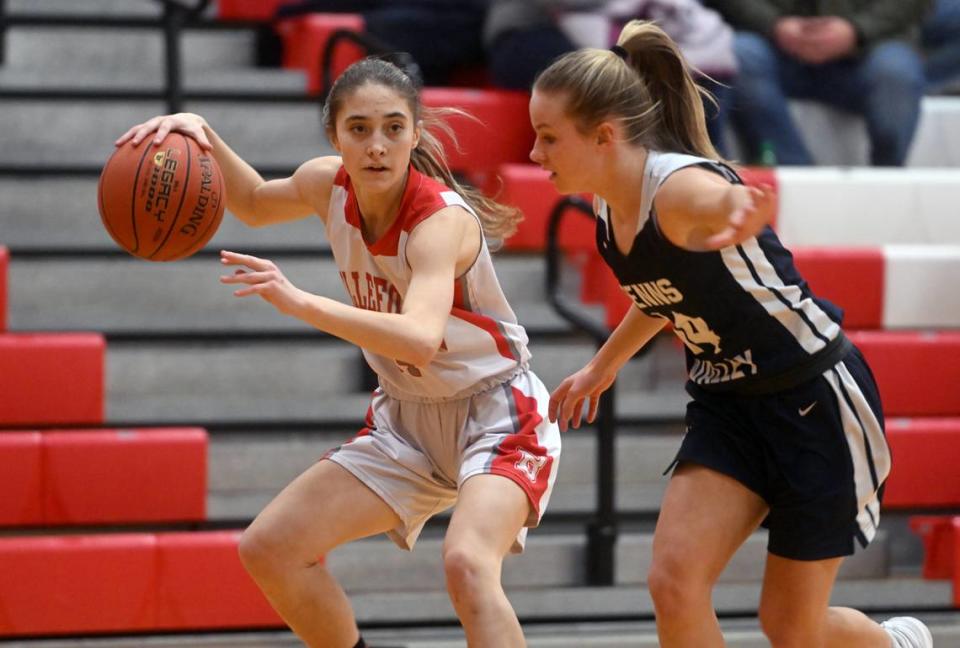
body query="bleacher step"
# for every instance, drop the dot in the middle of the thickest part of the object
(738, 633)
(186, 297)
(107, 51)
(48, 130)
(92, 7)
(194, 80)
(155, 383)
(42, 213)
(246, 470)
(554, 561)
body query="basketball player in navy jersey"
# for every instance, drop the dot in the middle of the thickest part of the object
(458, 419)
(785, 426)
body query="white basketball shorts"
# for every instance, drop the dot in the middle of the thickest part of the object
(416, 455)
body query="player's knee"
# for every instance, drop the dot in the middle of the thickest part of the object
(466, 568)
(674, 589)
(781, 628)
(260, 550)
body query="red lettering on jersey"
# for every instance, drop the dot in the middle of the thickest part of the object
(370, 293)
(358, 299)
(394, 301)
(382, 287)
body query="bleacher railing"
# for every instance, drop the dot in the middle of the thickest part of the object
(602, 529)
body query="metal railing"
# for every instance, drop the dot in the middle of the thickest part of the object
(176, 15)
(602, 529)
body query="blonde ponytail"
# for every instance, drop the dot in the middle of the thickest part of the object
(651, 91)
(658, 61)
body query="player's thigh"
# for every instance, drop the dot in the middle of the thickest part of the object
(490, 512)
(704, 517)
(324, 507)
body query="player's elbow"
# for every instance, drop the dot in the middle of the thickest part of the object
(247, 217)
(423, 346)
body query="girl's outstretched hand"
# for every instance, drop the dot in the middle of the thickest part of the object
(754, 208)
(187, 123)
(262, 277)
(566, 401)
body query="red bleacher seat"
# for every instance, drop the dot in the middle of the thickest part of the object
(941, 543)
(918, 373)
(4, 262)
(203, 585)
(127, 582)
(21, 478)
(500, 134)
(124, 476)
(248, 9)
(528, 187)
(925, 453)
(851, 278)
(51, 378)
(77, 584)
(304, 38)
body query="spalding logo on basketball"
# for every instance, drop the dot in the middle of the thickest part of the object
(161, 202)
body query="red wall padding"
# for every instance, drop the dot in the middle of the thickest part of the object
(4, 263)
(918, 373)
(125, 476)
(925, 454)
(127, 582)
(305, 37)
(51, 378)
(851, 278)
(21, 478)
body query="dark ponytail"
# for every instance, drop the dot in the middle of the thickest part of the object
(499, 221)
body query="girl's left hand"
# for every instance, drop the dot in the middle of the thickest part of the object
(261, 277)
(755, 208)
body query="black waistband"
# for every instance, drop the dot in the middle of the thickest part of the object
(810, 368)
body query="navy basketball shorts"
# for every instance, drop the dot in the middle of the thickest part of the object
(816, 453)
(416, 455)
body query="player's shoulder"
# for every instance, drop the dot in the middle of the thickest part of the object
(319, 171)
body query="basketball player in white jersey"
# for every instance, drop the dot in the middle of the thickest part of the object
(785, 427)
(458, 419)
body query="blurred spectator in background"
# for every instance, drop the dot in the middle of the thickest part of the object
(442, 36)
(941, 44)
(523, 37)
(860, 56)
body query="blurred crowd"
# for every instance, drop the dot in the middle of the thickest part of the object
(872, 58)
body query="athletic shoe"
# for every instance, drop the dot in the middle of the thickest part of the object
(907, 632)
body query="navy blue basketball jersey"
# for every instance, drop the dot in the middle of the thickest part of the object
(747, 318)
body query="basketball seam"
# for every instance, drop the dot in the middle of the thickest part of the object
(133, 199)
(187, 251)
(103, 209)
(183, 195)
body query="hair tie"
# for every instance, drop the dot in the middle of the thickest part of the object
(620, 52)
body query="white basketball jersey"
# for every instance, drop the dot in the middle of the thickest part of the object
(482, 345)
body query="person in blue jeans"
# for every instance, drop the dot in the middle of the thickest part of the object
(941, 43)
(862, 57)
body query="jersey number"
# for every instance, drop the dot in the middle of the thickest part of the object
(694, 331)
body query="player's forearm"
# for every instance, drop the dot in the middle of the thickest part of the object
(240, 178)
(631, 335)
(393, 335)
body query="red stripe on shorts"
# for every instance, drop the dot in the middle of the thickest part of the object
(520, 455)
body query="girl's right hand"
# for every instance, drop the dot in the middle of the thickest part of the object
(187, 123)
(566, 401)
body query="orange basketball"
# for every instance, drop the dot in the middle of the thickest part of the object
(161, 202)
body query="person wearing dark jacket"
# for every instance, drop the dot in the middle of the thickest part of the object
(861, 56)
